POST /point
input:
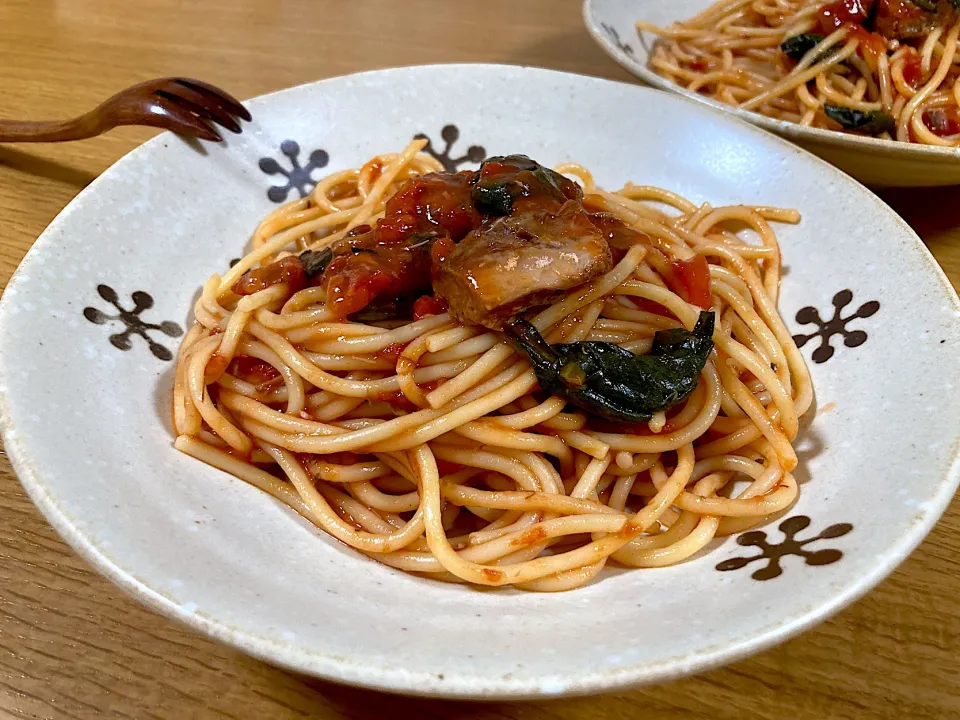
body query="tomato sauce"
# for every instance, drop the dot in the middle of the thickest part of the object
(375, 169)
(353, 280)
(398, 401)
(287, 270)
(438, 201)
(872, 46)
(690, 279)
(942, 121)
(393, 259)
(837, 14)
(253, 370)
(428, 305)
(649, 306)
(216, 367)
(391, 352)
(913, 70)
(445, 467)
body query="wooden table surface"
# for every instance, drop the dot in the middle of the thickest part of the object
(73, 646)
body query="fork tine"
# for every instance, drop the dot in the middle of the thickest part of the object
(200, 105)
(224, 98)
(181, 120)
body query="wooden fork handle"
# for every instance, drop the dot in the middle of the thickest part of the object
(79, 128)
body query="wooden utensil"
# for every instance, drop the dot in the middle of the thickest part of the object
(185, 106)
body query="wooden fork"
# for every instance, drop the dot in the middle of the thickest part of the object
(185, 106)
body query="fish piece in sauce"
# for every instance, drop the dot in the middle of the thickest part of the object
(905, 19)
(843, 12)
(518, 262)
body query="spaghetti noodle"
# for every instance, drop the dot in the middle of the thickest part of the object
(426, 443)
(887, 68)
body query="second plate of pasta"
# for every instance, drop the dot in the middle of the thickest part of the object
(870, 85)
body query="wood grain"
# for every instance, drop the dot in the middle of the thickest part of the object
(73, 646)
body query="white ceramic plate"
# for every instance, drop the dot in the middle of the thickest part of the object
(86, 420)
(612, 23)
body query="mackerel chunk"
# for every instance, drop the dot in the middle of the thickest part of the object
(905, 19)
(520, 261)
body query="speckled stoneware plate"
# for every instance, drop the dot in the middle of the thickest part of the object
(90, 321)
(612, 23)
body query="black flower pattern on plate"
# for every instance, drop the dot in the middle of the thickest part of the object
(450, 135)
(134, 323)
(298, 177)
(836, 325)
(773, 553)
(615, 39)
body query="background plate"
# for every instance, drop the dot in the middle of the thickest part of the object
(612, 23)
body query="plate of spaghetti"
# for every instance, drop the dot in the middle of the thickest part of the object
(415, 392)
(873, 86)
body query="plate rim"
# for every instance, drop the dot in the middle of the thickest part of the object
(860, 143)
(458, 685)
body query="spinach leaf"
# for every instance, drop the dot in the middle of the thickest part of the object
(315, 261)
(494, 198)
(955, 3)
(503, 179)
(613, 383)
(799, 45)
(930, 5)
(873, 123)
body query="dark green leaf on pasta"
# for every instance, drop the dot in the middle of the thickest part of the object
(613, 383)
(494, 195)
(799, 45)
(872, 123)
(315, 261)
